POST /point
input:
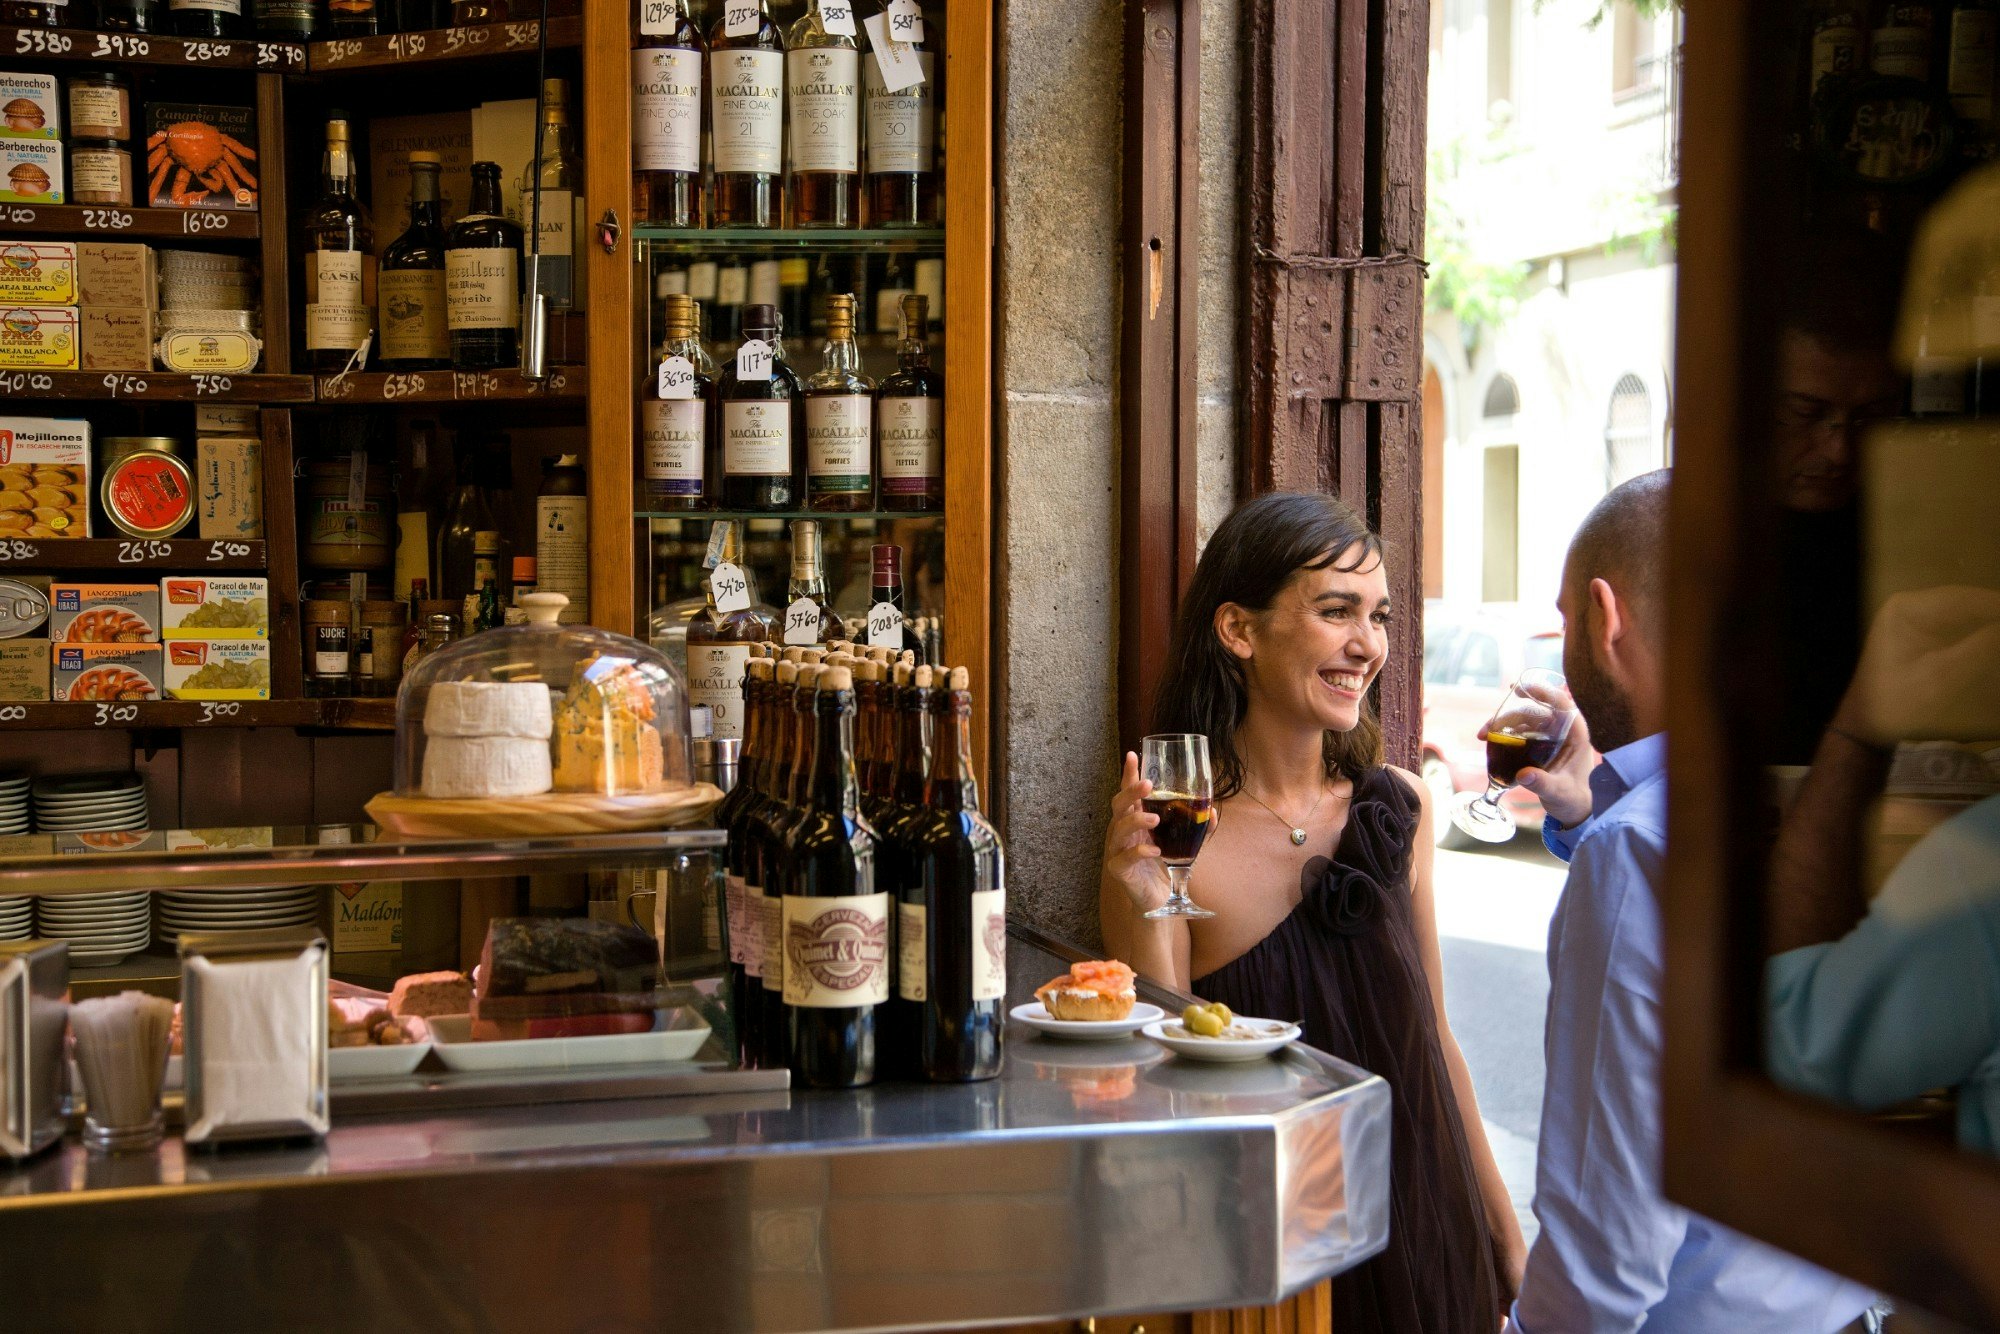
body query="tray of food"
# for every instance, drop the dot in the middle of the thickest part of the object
(1096, 1000)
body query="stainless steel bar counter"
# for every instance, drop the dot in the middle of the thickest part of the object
(1091, 1178)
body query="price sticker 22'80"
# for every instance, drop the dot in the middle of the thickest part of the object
(676, 378)
(730, 587)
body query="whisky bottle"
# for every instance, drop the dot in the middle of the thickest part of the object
(1969, 77)
(411, 285)
(667, 58)
(352, 18)
(746, 82)
(902, 147)
(718, 646)
(823, 93)
(674, 434)
(758, 398)
(809, 614)
(840, 425)
(549, 204)
(482, 277)
(909, 421)
(290, 20)
(339, 260)
(1900, 45)
(205, 18)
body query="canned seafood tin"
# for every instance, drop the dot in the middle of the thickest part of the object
(24, 609)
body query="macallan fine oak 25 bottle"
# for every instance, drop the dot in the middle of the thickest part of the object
(746, 88)
(823, 92)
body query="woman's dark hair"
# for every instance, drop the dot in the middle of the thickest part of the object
(1254, 554)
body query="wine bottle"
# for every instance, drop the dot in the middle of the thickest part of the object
(205, 18)
(352, 18)
(796, 704)
(482, 275)
(886, 614)
(902, 147)
(836, 919)
(909, 412)
(874, 718)
(840, 420)
(1970, 69)
(339, 246)
(735, 815)
(809, 614)
(718, 645)
(823, 95)
(676, 437)
(909, 702)
(562, 536)
(758, 396)
(291, 20)
(411, 285)
(746, 83)
(1900, 45)
(549, 203)
(952, 917)
(469, 514)
(668, 54)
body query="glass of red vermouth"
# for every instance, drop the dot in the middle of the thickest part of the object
(1525, 732)
(1183, 796)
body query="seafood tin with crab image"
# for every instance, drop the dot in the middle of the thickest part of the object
(44, 477)
(200, 156)
(107, 672)
(104, 613)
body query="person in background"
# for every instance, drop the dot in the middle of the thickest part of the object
(1613, 1254)
(1282, 633)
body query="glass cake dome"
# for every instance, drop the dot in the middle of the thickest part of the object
(524, 711)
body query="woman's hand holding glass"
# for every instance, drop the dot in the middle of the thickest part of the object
(1131, 858)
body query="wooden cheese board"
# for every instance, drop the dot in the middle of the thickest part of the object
(550, 813)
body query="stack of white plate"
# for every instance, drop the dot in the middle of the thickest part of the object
(84, 803)
(17, 917)
(237, 909)
(13, 804)
(101, 928)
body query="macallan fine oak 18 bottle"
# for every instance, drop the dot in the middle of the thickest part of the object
(667, 59)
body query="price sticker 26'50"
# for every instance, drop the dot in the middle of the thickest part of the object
(676, 378)
(730, 587)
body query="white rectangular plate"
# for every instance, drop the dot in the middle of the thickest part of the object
(455, 1047)
(372, 1062)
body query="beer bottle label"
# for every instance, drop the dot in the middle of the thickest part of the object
(989, 944)
(836, 951)
(910, 952)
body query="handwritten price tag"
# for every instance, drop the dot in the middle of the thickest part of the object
(106, 219)
(212, 711)
(896, 59)
(741, 18)
(14, 549)
(224, 550)
(906, 21)
(108, 715)
(657, 17)
(802, 622)
(677, 378)
(138, 553)
(731, 589)
(838, 17)
(885, 626)
(753, 360)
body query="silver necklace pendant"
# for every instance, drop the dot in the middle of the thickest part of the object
(1298, 838)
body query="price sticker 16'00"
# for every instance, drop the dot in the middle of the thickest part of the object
(731, 588)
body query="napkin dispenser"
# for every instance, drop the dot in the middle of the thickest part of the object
(34, 1018)
(253, 1026)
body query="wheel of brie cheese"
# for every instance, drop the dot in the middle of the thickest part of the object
(486, 766)
(489, 709)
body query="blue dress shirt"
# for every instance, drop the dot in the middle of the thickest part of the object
(1613, 1254)
(1910, 999)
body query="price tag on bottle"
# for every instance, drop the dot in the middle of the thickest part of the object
(885, 626)
(657, 17)
(897, 60)
(906, 21)
(731, 589)
(753, 360)
(802, 622)
(676, 378)
(837, 16)
(741, 17)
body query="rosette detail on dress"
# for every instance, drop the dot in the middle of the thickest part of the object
(1346, 896)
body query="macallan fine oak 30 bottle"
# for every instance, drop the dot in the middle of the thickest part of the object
(902, 147)
(746, 88)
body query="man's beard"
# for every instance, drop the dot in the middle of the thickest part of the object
(1605, 708)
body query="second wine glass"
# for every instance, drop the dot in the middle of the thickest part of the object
(1526, 731)
(1183, 796)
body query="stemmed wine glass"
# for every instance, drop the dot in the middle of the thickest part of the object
(1526, 731)
(1183, 796)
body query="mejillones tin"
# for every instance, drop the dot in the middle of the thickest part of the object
(24, 609)
(149, 493)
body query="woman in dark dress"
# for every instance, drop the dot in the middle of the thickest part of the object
(1319, 874)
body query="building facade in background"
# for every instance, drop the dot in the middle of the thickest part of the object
(1549, 329)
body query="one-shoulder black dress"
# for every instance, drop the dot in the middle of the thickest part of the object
(1345, 965)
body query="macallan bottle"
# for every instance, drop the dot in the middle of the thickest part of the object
(909, 422)
(954, 901)
(902, 147)
(746, 89)
(718, 646)
(823, 95)
(758, 411)
(840, 420)
(668, 53)
(549, 204)
(836, 919)
(807, 591)
(676, 436)
(339, 248)
(411, 283)
(482, 268)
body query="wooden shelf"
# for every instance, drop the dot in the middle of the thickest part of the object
(73, 715)
(155, 387)
(72, 221)
(365, 387)
(824, 516)
(440, 45)
(183, 556)
(151, 48)
(831, 240)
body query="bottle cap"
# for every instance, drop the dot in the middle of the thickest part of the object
(836, 678)
(922, 678)
(760, 319)
(421, 158)
(524, 569)
(888, 559)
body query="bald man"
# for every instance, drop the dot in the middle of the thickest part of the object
(1613, 1254)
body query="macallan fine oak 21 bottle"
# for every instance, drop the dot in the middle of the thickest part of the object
(746, 85)
(823, 92)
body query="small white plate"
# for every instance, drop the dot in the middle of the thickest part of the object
(1036, 1016)
(452, 1038)
(373, 1062)
(1169, 1034)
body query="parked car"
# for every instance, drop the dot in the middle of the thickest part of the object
(1471, 655)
